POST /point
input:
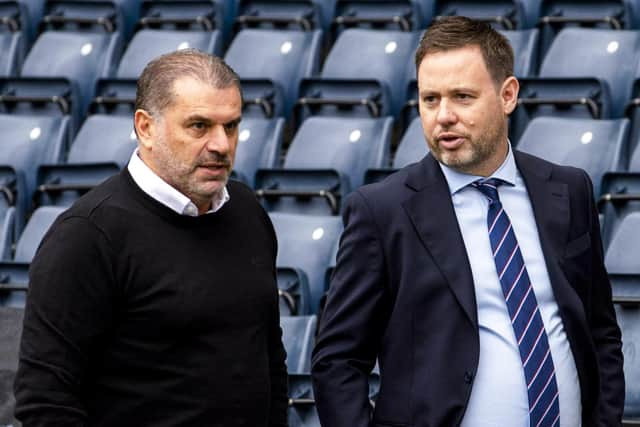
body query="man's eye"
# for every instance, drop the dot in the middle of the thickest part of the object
(230, 127)
(463, 96)
(430, 99)
(198, 125)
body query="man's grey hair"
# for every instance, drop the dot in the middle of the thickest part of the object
(154, 90)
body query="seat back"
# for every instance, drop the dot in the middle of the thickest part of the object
(283, 57)
(147, 44)
(38, 225)
(307, 242)
(413, 146)
(259, 144)
(298, 334)
(597, 146)
(525, 50)
(360, 54)
(502, 14)
(27, 143)
(82, 58)
(607, 55)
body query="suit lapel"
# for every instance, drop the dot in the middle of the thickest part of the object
(431, 211)
(550, 202)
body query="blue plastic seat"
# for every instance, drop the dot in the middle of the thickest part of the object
(298, 334)
(364, 75)
(61, 69)
(412, 148)
(306, 243)
(149, 44)
(11, 53)
(585, 73)
(106, 16)
(597, 146)
(502, 14)
(259, 144)
(271, 64)
(326, 160)
(198, 15)
(525, 50)
(288, 14)
(27, 143)
(14, 278)
(21, 16)
(608, 14)
(397, 15)
(102, 147)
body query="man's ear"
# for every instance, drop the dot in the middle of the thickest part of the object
(145, 128)
(509, 94)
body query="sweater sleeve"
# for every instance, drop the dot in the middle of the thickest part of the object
(277, 353)
(69, 308)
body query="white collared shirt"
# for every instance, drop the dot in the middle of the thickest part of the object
(164, 193)
(499, 394)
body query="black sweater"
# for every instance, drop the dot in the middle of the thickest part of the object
(138, 316)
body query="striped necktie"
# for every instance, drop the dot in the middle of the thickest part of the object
(539, 373)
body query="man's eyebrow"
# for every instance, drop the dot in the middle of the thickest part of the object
(197, 118)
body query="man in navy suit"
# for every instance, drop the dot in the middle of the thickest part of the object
(475, 277)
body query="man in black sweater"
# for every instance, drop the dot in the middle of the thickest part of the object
(153, 300)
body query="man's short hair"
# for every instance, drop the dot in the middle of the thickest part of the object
(456, 32)
(154, 90)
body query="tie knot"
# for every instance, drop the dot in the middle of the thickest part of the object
(488, 187)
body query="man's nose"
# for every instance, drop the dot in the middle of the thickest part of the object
(219, 140)
(446, 115)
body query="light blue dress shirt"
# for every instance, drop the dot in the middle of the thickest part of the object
(499, 394)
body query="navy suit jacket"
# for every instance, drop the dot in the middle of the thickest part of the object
(403, 292)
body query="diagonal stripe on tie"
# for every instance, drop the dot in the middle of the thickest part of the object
(520, 298)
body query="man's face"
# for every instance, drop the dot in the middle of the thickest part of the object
(191, 144)
(463, 113)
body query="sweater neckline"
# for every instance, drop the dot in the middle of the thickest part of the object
(165, 212)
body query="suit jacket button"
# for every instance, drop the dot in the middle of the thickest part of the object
(468, 377)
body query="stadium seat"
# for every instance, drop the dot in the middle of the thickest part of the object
(108, 16)
(178, 15)
(61, 68)
(585, 73)
(361, 76)
(22, 16)
(502, 14)
(303, 15)
(307, 243)
(298, 334)
(558, 14)
(27, 143)
(411, 149)
(271, 64)
(259, 144)
(14, 277)
(628, 316)
(326, 160)
(398, 15)
(11, 53)
(101, 148)
(10, 333)
(619, 200)
(149, 44)
(597, 146)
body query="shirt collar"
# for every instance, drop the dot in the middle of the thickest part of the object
(458, 180)
(164, 193)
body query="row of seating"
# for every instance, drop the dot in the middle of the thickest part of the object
(226, 15)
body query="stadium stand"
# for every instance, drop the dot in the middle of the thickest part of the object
(101, 148)
(14, 274)
(10, 332)
(326, 160)
(259, 146)
(298, 334)
(304, 15)
(271, 64)
(585, 73)
(360, 76)
(412, 148)
(307, 243)
(597, 146)
(398, 15)
(27, 143)
(502, 14)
